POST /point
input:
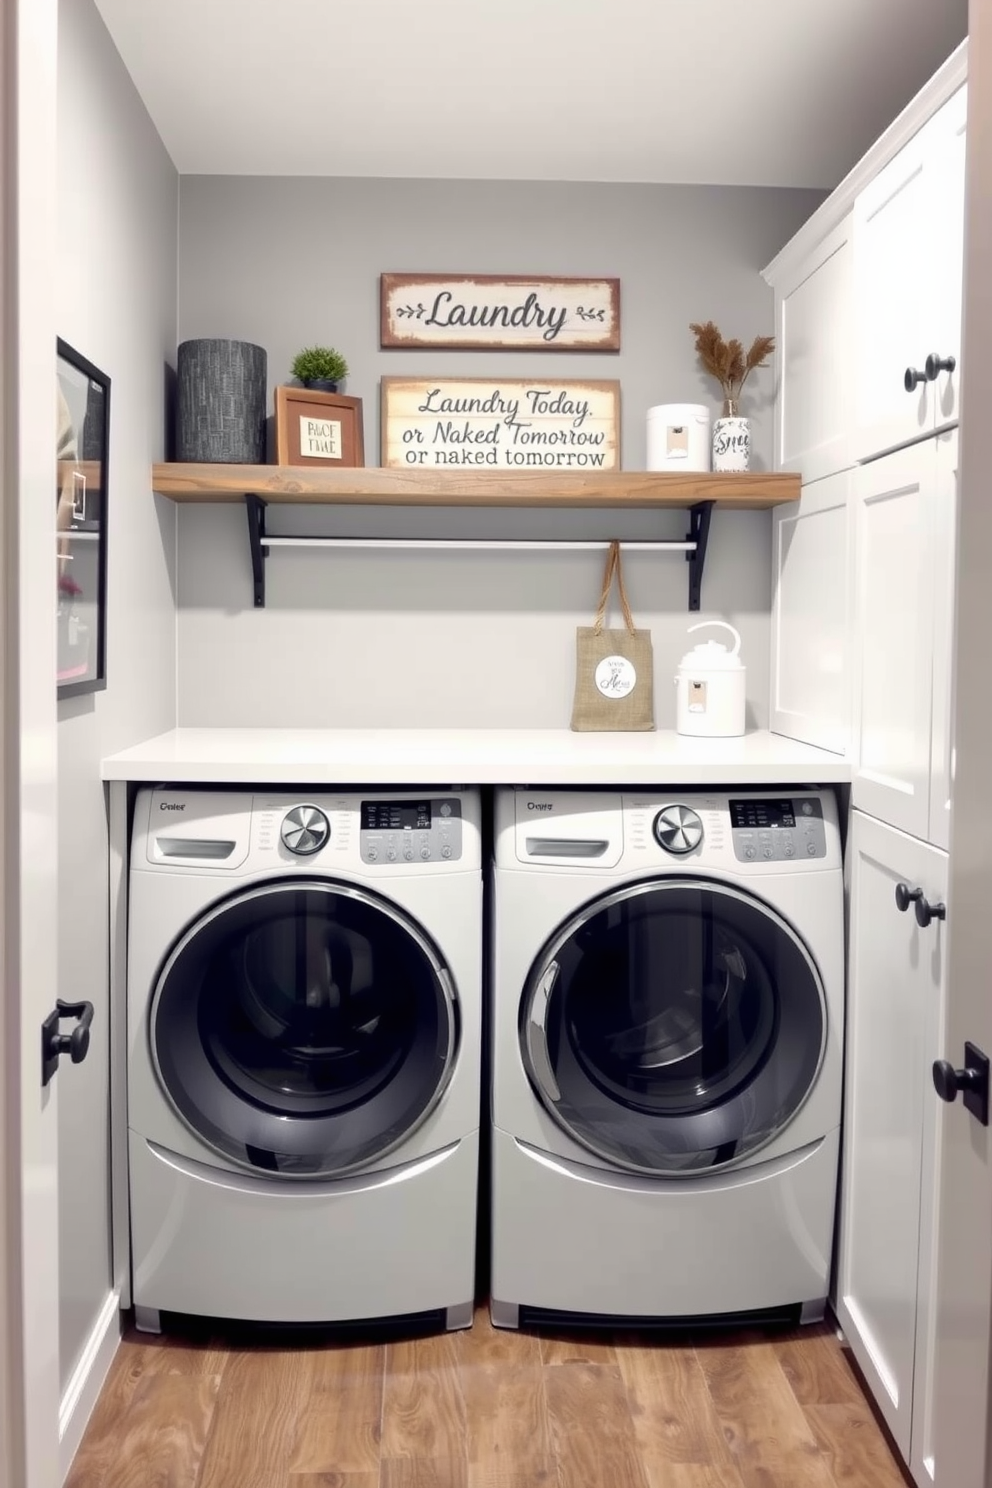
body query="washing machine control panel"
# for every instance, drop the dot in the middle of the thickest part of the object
(418, 830)
(777, 829)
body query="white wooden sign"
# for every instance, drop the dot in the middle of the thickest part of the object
(510, 424)
(499, 312)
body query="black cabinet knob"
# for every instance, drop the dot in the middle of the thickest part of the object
(936, 364)
(905, 896)
(912, 376)
(971, 1082)
(925, 912)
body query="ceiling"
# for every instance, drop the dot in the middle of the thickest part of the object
(768, 93)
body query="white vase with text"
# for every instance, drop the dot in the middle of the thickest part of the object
(731, 439)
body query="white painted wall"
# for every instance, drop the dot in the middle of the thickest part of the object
(463, 639)
(116, 302)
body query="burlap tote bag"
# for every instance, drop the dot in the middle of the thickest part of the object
(614, 669)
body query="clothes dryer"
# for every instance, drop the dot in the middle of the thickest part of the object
(304, 1047)
(668, 1006)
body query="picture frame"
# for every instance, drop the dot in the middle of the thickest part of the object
(507, 423)
(82, 454)
(318, 429)
(499, 312)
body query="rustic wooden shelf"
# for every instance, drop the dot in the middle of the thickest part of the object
(376, 485)
(259, 485)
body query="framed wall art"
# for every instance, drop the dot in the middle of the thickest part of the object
(82, 485)
(506, 423)
(318, 428)
(501, 312)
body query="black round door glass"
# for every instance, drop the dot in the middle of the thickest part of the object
(673, 1027)
(303, 1029)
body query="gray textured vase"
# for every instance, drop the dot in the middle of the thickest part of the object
(221, 401)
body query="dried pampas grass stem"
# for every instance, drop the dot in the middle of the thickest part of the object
(727, 360)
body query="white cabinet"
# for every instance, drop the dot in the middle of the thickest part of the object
(908, 242)
(812, 578)
(895, 1007)
(904, 543)
(814, 320)
(944, 568)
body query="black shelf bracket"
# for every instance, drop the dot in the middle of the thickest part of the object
(255, 509)
(699, 533)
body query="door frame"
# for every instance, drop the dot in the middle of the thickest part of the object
(958, 1401)
(29, 1359)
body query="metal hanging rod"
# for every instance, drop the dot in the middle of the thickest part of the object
(487, 543)
(694, 547)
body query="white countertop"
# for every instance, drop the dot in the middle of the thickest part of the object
(250, 756)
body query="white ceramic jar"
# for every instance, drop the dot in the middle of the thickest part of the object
(710, 683)
(679, 437)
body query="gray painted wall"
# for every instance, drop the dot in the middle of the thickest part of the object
(447, 638)
(118, 195)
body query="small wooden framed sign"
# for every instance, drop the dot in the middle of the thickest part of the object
(318, 428)
(510, 424)
(513, 312)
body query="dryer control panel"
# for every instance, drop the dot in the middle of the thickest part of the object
(419, 830)
(776, 828)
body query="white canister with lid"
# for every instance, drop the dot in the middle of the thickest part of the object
(679, 437)
(710, 698)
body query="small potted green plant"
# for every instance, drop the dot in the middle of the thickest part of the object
(320, 368)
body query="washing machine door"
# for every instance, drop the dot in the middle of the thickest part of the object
(674, 1026)
(304, 1028)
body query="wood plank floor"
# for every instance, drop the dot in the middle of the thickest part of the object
(487, 1409)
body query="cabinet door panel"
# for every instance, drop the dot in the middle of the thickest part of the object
(894, 623)
(888, 981)
(811, 606)
(945, 506)
(948, 250)
(814, 407)
(933, 973)
(893, 268)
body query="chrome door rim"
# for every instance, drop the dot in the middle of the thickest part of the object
(536, 1028)
(443, 980)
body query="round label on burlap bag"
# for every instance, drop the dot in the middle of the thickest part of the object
(615, 677)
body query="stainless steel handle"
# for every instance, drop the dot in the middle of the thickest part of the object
(536, 1033)
(215, 848)
(566, 847)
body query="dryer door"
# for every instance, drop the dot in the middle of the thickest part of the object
(304, 1028)
(674, 1026)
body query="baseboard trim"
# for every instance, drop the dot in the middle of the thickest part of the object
(86, 1382)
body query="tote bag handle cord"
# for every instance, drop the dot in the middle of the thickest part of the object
(613, 566)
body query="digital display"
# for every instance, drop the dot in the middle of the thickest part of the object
(758, 815)
(396, 816)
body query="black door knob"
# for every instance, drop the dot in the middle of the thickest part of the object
(972, 1082)
(905, 896)
(936, 364)
(54, 1044)
(911, 377)
(949, 1082)
(925, 912)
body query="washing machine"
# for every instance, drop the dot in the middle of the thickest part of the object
(668, 1006)
(304, 1047)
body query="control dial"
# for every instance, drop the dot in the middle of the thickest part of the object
(304, 830)
(678, 830)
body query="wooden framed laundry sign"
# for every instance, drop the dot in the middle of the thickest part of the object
(489, 311)
(512, 424)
